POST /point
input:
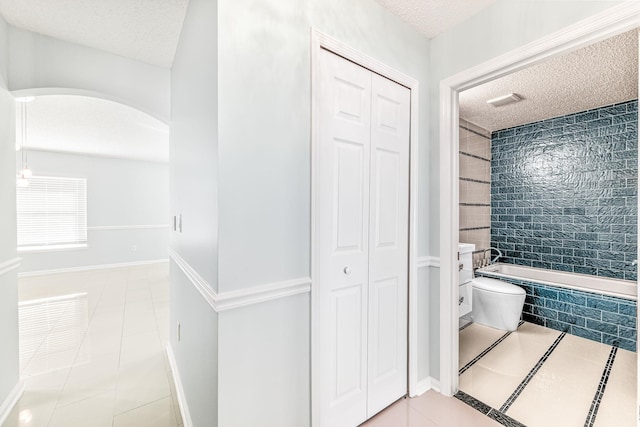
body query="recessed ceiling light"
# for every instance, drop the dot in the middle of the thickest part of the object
(505, 100)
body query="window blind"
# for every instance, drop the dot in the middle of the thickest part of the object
(52, 213)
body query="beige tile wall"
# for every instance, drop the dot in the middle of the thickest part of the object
(475, 197)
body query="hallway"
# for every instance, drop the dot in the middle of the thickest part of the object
(92, 350)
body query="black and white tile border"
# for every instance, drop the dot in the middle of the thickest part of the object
(531, 373)
(463, 327)
(486, 350)
(593, 411)
(487, 410)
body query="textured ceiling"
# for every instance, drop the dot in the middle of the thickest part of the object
(146, 30)
(601, 74)
(80, 124)
(432, 17)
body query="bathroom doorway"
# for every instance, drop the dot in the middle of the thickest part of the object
(573, 38)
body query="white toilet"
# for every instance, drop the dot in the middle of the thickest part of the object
(493, 302)
(496, 303)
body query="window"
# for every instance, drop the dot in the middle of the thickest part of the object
(52, 213)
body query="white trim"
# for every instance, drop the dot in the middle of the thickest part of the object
(428, 261)
(53, 249)
(243, 297)
(427, 384)
(8, 266)
(126, 227)
(10, 401)
(90, 267)
(262, 293)
(182, 399)
(206, 290)
(613, 21)
(321, 41)
(41, 91)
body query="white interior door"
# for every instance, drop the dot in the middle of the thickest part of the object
(388, 243)
(343, 239)
(362, 232)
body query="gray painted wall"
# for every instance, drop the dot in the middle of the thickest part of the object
(193, 183)
(44, 63)
(265, 187)
(119, 193)
(265, 112)
(9, 370)
(501, 28)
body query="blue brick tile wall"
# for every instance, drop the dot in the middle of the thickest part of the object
(597, 317)
(564, 192)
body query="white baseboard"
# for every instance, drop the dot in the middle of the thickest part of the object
(90, 267)
(428, 261)
(427, 384)
(8, 404)
(182, 400)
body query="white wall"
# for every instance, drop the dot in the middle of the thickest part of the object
(193, 182)
(9, 370)
(39, 62)
(265, 189)
(120, 193)
(503, 27)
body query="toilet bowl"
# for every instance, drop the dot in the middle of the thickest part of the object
(496, 303)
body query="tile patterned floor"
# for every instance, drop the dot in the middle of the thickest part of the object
(92, 350)
(534, 377)
(540, 377)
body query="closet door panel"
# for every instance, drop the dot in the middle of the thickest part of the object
(343, 239)
(388, 244)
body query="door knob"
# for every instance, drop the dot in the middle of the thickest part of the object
(347, 270)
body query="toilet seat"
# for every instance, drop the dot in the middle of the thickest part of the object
(497, 286)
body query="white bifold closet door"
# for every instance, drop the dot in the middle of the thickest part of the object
(362, 218)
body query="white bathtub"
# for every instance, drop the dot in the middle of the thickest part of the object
(626, 289)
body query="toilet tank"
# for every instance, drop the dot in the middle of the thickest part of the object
(466, 261)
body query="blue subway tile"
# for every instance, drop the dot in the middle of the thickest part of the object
(627, 344)
(557, 325)
(603, 305)
(628, 333)
(627, 309)
(613, 340)
(605, 328)
(591, 313)
(572, 298)
(558, 306)
(619, 319)
(586, 333)
(546, 293)
(571, 319)
(546, 313)
(532, 318)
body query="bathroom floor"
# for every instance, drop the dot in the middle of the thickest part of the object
(92, 350)
(540, 377)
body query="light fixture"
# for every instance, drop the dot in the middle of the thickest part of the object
(25, 172)
(504, 100)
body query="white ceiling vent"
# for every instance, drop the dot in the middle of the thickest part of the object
(505, 100)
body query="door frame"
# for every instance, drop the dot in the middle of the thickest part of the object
(321, 41)
(613, 21)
